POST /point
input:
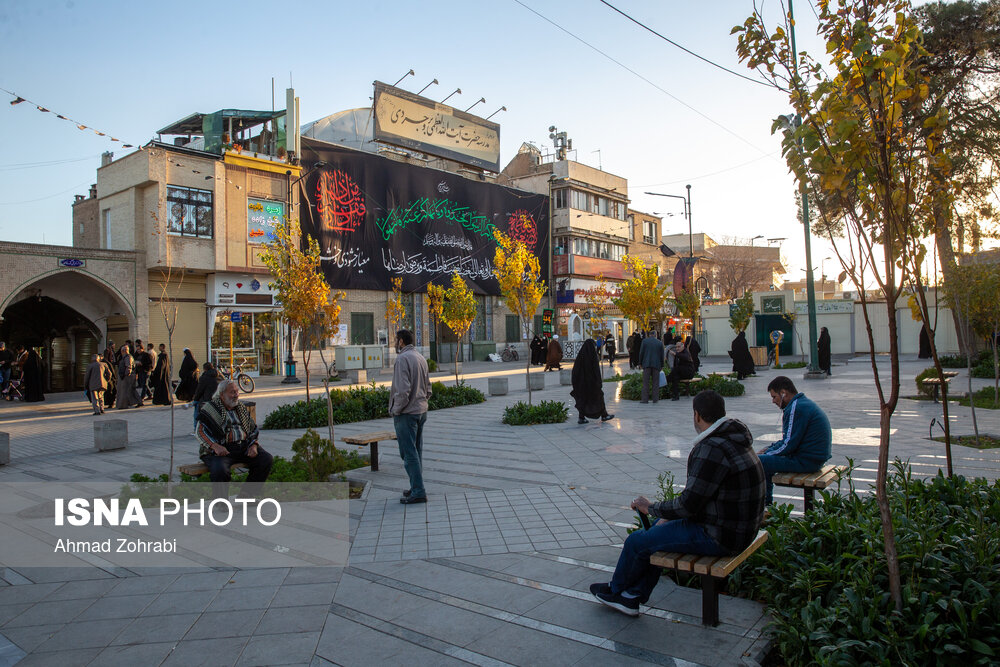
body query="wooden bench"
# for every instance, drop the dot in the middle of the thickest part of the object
(936, 382)
(199, 468)
(809, 482)
(727, 374)
(372, 440)
(713, 571)
(686, 384)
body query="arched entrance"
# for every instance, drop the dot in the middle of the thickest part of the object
(68, 316)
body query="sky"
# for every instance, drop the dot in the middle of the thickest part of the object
(130, 68)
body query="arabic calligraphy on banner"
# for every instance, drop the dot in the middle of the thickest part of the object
(377, 219)
(262, 217)
(411, 121)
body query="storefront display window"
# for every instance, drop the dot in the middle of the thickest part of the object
(254, 342)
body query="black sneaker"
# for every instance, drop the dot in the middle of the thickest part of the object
(627, 606)
(581, 420)
(607, 418)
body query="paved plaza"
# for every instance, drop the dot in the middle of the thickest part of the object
(493, 570)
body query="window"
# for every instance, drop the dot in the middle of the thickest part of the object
(579, 200)
(649, 231)
(619, 210)
(631, 227)
(560, 198)
(189, 212)
(362, 328)
(106, 219)
(513, 329)
(603, 206)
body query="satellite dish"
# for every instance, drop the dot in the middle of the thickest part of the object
(842, 277)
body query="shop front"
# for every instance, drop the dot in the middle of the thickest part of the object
(245, 324)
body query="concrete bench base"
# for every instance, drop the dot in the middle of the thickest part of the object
(565, 376)
(110, 434)
(4, 448)
(535, 382)
(357, 376)
(713, 571)
(498, 386)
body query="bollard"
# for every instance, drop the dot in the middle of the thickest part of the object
(110, 434)
(498, 386)
(535, 382)
(565, 376)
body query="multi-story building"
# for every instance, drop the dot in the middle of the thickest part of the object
(590, 229)
(724, 271)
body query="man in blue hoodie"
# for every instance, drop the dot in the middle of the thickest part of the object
(807, 440)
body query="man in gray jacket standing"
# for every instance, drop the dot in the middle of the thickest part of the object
(96, 382)
(411, 388)
(651, 360)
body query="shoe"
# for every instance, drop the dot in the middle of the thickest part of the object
(627, 606)
(644, 402)
(600, 588)
(413, 500)
(98, 414)
(676, 398)
(406, 494)
(581, 420)
(607, 418)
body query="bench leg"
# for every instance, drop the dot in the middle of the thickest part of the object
(374, 456)
(807, 497)
(710, 587)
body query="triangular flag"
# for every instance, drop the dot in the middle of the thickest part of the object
(17, 101)
(100, 134)
(42, 109)
(59, 115)
(82, 127)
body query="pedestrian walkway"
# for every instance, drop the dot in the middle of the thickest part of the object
(493, 570)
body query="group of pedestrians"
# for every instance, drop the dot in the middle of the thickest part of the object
(21, 369)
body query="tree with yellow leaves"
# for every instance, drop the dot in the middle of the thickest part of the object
(642, 296)
(518, 271)
(305, 297)
(597, 299)
(458, 311)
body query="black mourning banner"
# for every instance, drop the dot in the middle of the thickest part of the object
(377, 219)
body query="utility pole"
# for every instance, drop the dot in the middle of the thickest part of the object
(813, 372)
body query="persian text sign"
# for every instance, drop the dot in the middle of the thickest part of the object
(378, 219)
(411, 121)
(262, 217)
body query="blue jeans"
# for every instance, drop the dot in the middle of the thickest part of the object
(410, 438)
(634, 572)
(776, 463)
(197, 411)
(4, 377)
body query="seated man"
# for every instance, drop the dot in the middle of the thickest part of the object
(682, 369)
(718, 513)
(807, 441)
(228, 435)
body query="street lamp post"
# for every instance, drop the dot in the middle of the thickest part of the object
(290, 377)
(687, 214)
(822, 274)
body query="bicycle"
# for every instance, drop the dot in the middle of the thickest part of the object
(509, 353)
(244, 381)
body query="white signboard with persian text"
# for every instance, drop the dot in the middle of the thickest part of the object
(411, 121)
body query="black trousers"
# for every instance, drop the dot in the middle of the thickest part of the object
(675, 378)
(259, 467)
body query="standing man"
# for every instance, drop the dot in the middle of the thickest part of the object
(142, 366)
(609, 348)
(651, 360)
(408, 396)
(6, 363)
(127, 396)
(807, 440)
(718, 512)
(96, 381)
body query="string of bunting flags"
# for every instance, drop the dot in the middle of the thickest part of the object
(80, 126)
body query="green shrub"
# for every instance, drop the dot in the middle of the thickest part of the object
(984, 369)
(985, 398)
(791, 364)
(319, 459)
(432, 366)
(546, 412)
(959, 361)
(361, 404)
(823, 576)
(620, 377)
(632, 387)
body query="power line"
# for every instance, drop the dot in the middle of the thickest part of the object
(714, 173)
(687, 50)
(47, 163)
(640, 76)
(29, 201)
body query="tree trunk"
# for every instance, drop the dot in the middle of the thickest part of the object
(946, 254)
(931, 335)
(329, 401)
(305, 363)
(885, 419)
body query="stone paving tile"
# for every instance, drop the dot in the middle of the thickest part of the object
(146, 629)
(218, 652)
(281, 649)
(147, 653)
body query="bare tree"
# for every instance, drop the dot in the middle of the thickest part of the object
(738, 266)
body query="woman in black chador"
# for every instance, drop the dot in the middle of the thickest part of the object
(31, 375)
(160, 379)
(740, 352)
(189, 377)
(823, 350)
(695, 349)
(537, 351)
(925, 343)
(588, 386)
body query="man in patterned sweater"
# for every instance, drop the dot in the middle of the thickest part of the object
(228, 435)
(718, 513)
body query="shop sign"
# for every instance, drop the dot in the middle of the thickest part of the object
(236, 316)
(226, 298)
(262, 217)
(72, 262)
(547, 320)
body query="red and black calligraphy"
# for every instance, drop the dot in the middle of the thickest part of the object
(339, 202)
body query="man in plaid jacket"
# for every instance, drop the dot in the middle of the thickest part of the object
(718, 513)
